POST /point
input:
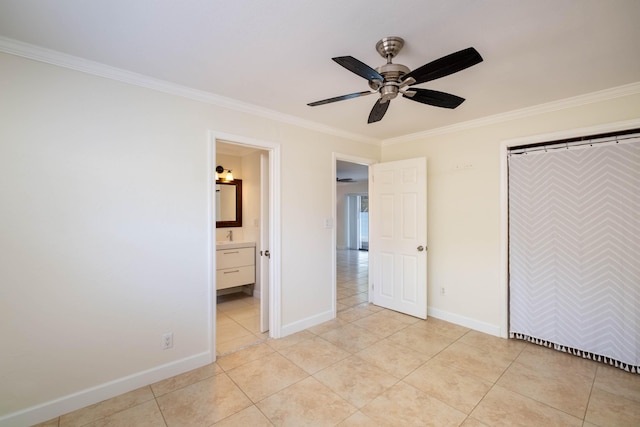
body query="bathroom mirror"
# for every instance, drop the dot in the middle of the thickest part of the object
(229, 203)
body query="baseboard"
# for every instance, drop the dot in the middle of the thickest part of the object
(467, 322)
(63, 405)
(305, 323)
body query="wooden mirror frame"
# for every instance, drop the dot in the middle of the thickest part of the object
(238, 221)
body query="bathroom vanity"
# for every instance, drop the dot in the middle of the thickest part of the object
(235, 266)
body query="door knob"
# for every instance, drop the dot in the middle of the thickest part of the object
(420, 248)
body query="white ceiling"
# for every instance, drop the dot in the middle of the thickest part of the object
(353, 171)
(276, 54)
(234, 149)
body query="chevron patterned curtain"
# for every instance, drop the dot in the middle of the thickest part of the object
(574, 249)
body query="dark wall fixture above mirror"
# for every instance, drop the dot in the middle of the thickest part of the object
(229, 203)
(221, 175)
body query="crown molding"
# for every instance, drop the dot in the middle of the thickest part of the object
(576, 101)
(53, 57)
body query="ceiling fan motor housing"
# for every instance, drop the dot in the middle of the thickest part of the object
(392, 74)
(388, 48)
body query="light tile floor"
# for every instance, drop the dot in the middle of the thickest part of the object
(237, 323)
(375, 367)
(352, 278)
(238, 314)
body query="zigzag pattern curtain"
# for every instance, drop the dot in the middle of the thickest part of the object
(574, 249)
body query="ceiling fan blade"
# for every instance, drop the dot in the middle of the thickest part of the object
(358, 67)
(340, 98)
(378, 111)
(446, 65)
(433, 97)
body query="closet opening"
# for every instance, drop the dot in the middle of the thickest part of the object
(573, 244)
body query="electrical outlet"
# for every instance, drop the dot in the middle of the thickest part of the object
(167, 340)
(442, 291)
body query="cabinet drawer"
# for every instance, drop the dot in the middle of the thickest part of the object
(227, 258)
(238, 276)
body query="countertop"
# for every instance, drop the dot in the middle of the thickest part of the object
(225, 244)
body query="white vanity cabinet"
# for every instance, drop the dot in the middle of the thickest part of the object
(235, 265)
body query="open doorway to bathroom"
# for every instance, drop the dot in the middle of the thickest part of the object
(352, 235)
(240, 309)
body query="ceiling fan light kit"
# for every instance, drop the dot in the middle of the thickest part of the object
(391, 79)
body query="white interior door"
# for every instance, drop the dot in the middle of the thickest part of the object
(398, 241)
(265, 225)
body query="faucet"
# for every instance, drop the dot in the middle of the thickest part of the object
(230, 235)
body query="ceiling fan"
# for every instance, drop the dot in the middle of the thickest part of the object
(390, 79)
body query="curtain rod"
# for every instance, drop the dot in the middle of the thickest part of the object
(621, 136)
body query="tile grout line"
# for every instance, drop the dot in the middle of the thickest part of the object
(494, 383)
(593, 384)
(535, 399)
(160, 409)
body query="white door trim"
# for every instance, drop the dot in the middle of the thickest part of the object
(275, 301)
(335, 156)
(504, 198)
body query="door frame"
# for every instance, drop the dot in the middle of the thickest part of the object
(335, 156)
(275, 289)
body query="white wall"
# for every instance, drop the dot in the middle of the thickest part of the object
(104, 233)
(251, 195)
(464, 206)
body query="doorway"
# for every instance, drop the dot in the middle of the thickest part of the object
(250, 315)
(352, 233)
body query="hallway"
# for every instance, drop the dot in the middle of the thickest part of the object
(352, 278)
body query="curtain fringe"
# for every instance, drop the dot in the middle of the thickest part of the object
(584, 354)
